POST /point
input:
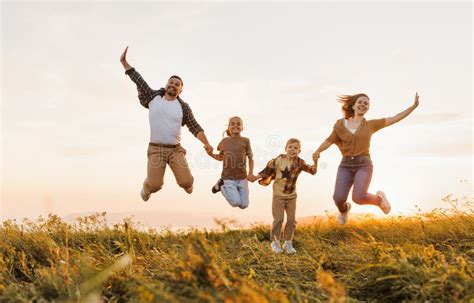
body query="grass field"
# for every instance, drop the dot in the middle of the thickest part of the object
(423, 258)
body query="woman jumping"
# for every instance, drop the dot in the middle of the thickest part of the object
(352, 135)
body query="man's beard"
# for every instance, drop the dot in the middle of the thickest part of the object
(171, 92)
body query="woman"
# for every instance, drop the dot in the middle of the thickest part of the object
(352, 135)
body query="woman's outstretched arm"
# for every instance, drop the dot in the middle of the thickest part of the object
(325, 145)
(391, 120)
(333, 138)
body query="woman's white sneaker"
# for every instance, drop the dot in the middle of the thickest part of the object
(343, 217)
(384, 205)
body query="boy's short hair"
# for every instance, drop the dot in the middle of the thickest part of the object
(293, 140)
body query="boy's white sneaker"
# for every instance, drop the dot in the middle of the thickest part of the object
(343, 217)
(276, 247)
(145, 197)
(384, 205)
(288, 246)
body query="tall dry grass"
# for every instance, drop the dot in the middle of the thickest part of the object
(423, 258)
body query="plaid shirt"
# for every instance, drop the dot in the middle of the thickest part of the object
(146, 94)
(269, 173)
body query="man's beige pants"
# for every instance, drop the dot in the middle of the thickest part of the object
(280, 205)
(158, 157)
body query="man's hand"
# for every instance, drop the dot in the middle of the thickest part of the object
(123, 59)
(208, 148)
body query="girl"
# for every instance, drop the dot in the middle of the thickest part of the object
(352, 135)
(233, 151)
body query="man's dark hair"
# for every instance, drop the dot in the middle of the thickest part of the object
(177, 77)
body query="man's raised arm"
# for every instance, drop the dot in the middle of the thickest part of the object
(145, 93)
(123, 60)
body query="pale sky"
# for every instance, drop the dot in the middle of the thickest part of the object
(74, 135)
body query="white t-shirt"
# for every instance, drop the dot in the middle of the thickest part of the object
(165, 120)
(352, 130)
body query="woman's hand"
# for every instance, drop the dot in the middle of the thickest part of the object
(391, 120)
(417, 101)
(316, 155)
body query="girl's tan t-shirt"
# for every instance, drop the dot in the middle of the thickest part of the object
(235, 151)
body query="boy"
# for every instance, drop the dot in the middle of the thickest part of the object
(284, 170)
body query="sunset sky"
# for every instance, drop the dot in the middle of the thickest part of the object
(74, 135)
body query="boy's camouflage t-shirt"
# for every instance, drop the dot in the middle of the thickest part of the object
(284, 172)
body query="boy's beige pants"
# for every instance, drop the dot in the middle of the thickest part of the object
(158, 158)
(280, 205)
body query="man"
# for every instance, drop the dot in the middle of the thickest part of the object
(167, 114)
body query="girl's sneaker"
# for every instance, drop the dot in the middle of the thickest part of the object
(343, 217)
(217, 187)
(276, 247)
(288, 246)
(145, 197)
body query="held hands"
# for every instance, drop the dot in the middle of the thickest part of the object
(208, 149)
(252, 178)
(316, 155)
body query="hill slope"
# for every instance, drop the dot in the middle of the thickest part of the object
(428, 257)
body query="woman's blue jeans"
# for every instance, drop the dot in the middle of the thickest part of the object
(357, 172)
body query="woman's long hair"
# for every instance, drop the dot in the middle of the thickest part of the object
(347, 102)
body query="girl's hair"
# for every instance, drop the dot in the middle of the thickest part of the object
(227, 132)
(347, 102)
(291, 141)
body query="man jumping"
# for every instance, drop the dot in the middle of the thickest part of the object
(167, 114)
